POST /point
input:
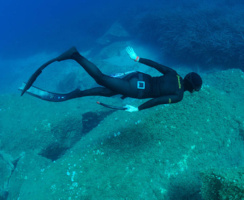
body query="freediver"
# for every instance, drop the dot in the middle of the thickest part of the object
(165, 89)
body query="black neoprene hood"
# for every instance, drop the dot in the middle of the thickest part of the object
(194, 81)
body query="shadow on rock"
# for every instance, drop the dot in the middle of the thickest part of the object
(68, 132)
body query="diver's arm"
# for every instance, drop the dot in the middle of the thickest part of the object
(160, 100)
(161, 68)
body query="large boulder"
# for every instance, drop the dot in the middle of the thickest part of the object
(153, 154)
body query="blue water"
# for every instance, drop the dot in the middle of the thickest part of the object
(32, 27)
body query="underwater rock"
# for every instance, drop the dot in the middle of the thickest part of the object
(7, 168)
(3, 194)
(91, 119)
(146, 155)
(221, 184)
(67, 133)
(115, 33)
(53, 151)
(68, 83)
(154, 154)
(29, 165)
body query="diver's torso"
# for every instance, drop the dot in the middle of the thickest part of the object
(168, 84)
(145, 86)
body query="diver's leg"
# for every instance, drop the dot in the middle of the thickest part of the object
(121, 86)
(67, 54)
(97, 91)
(91, 69)
(56, 97)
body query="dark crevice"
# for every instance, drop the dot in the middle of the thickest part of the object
(241, 133)
(53, 151)
(68, 133)
(3, 194)
(91, 119)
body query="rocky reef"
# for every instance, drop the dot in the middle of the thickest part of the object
(79, 150)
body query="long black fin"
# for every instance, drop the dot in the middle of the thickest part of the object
(64, 56)
(35, 75)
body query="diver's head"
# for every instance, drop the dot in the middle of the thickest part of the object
(192, 82)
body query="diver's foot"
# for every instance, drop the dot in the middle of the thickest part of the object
(67, 54)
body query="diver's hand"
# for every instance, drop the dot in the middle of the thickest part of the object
(132, 54)
(130, 108)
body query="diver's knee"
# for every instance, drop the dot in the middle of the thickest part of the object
(101, 79)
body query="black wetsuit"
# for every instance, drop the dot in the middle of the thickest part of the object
(164, 89)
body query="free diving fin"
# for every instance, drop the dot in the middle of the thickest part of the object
(64, 56)
(35, 75)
